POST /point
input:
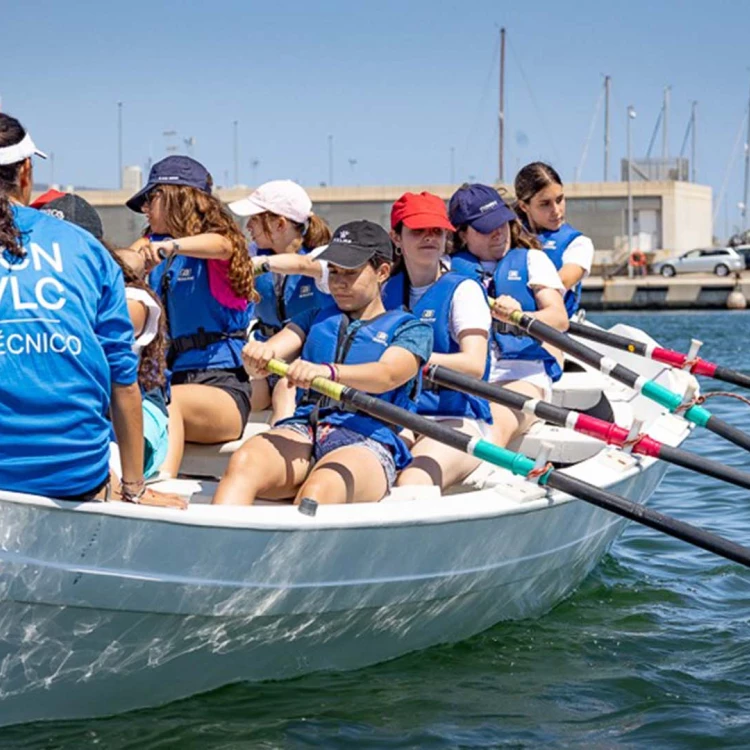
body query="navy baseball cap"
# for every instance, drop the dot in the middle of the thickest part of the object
(174, 170)
(479, 206)
(76, 210)
(354, 243)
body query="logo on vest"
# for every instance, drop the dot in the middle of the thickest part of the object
(381, 337)
(305, 291)
(549, 245)
(186, 275)
(428, 315)
(513, 275)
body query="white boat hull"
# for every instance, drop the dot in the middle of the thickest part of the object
(111, 607)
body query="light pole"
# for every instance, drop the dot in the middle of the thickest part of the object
(236, 154)
(119, 144)
(352, 164)
(254, 164)
(330, 161)
(631, 116)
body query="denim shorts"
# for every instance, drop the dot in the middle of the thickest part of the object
(330, 437)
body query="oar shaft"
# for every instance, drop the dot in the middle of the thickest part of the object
(651, 518)
(649, 388)
(659, 354)
(585, 424)
(521, 465)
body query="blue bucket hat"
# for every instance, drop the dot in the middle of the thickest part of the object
(479, 206)
(174, 170)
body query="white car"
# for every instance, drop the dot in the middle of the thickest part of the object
(719, 260)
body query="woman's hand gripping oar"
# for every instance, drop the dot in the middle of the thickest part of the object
(600, 429)
(694, 365)
(649, 388)
(523, 466)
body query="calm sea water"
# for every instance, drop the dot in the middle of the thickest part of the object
(653, 650)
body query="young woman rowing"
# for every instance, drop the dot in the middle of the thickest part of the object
(456, 308)
(323, 452)
(540, 201)
(285, 231)
(205, 285)
(490, 244)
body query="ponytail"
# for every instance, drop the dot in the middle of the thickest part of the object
(318, 233)
(11, 133)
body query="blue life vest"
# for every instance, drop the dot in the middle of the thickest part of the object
(434, 307)
(512, 278)
(555, 244)
(467, 264)
(282, 297)
(334, 337)
(205, 335)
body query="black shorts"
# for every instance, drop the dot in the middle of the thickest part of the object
(235, 382)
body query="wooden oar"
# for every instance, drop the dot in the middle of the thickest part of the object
(600, 429)
(649, 388)
(696, 366)
(525, 467)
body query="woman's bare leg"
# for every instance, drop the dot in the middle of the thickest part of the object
(347, 475)
(507, 423)
(435, 463)
(271, 465)
(283, 401)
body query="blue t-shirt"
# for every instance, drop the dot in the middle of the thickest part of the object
(65, 338)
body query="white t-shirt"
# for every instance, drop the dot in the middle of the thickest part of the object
(542, 275)
(580, 252)
(469, 310)
(153, 313)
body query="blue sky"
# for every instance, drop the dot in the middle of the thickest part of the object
(397, 84)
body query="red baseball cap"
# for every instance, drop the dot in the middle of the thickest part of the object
(422, 211)
(45, 198)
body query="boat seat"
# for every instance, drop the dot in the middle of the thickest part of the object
(579, 390)
(211, 460)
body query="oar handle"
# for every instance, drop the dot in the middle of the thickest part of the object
(322, 385)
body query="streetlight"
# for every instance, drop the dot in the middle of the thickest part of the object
(631, 116)
(254, 164)
(119, 144)
(352, 164)
(330, 161)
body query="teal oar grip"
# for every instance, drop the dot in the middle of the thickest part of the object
(515, 462)
(663, 396)
(698, 415)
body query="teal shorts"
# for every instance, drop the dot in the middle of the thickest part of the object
(155, 438)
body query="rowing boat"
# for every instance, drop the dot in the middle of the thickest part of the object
(106, 607)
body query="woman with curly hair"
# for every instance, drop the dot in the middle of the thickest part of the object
(203, 274)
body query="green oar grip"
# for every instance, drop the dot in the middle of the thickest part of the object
(321, 385)
(494, 454)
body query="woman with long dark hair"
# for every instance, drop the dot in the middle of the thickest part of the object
(540, 202)
(67, 344)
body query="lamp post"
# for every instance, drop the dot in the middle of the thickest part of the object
(631, 116)
(119, 144)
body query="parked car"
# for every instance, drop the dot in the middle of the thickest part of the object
(744, 251)
(719, 260)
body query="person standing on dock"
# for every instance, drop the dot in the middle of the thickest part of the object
(540, 202)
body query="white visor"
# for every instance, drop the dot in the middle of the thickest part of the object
(20, 151)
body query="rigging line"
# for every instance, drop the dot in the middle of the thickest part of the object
(534, 101)
(656, 130)
(579, 168)
(687, 135)
(485, 88)
(732, 158)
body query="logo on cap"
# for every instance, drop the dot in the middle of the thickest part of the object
(488, 206)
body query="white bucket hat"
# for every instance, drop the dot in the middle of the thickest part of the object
(280, 197)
